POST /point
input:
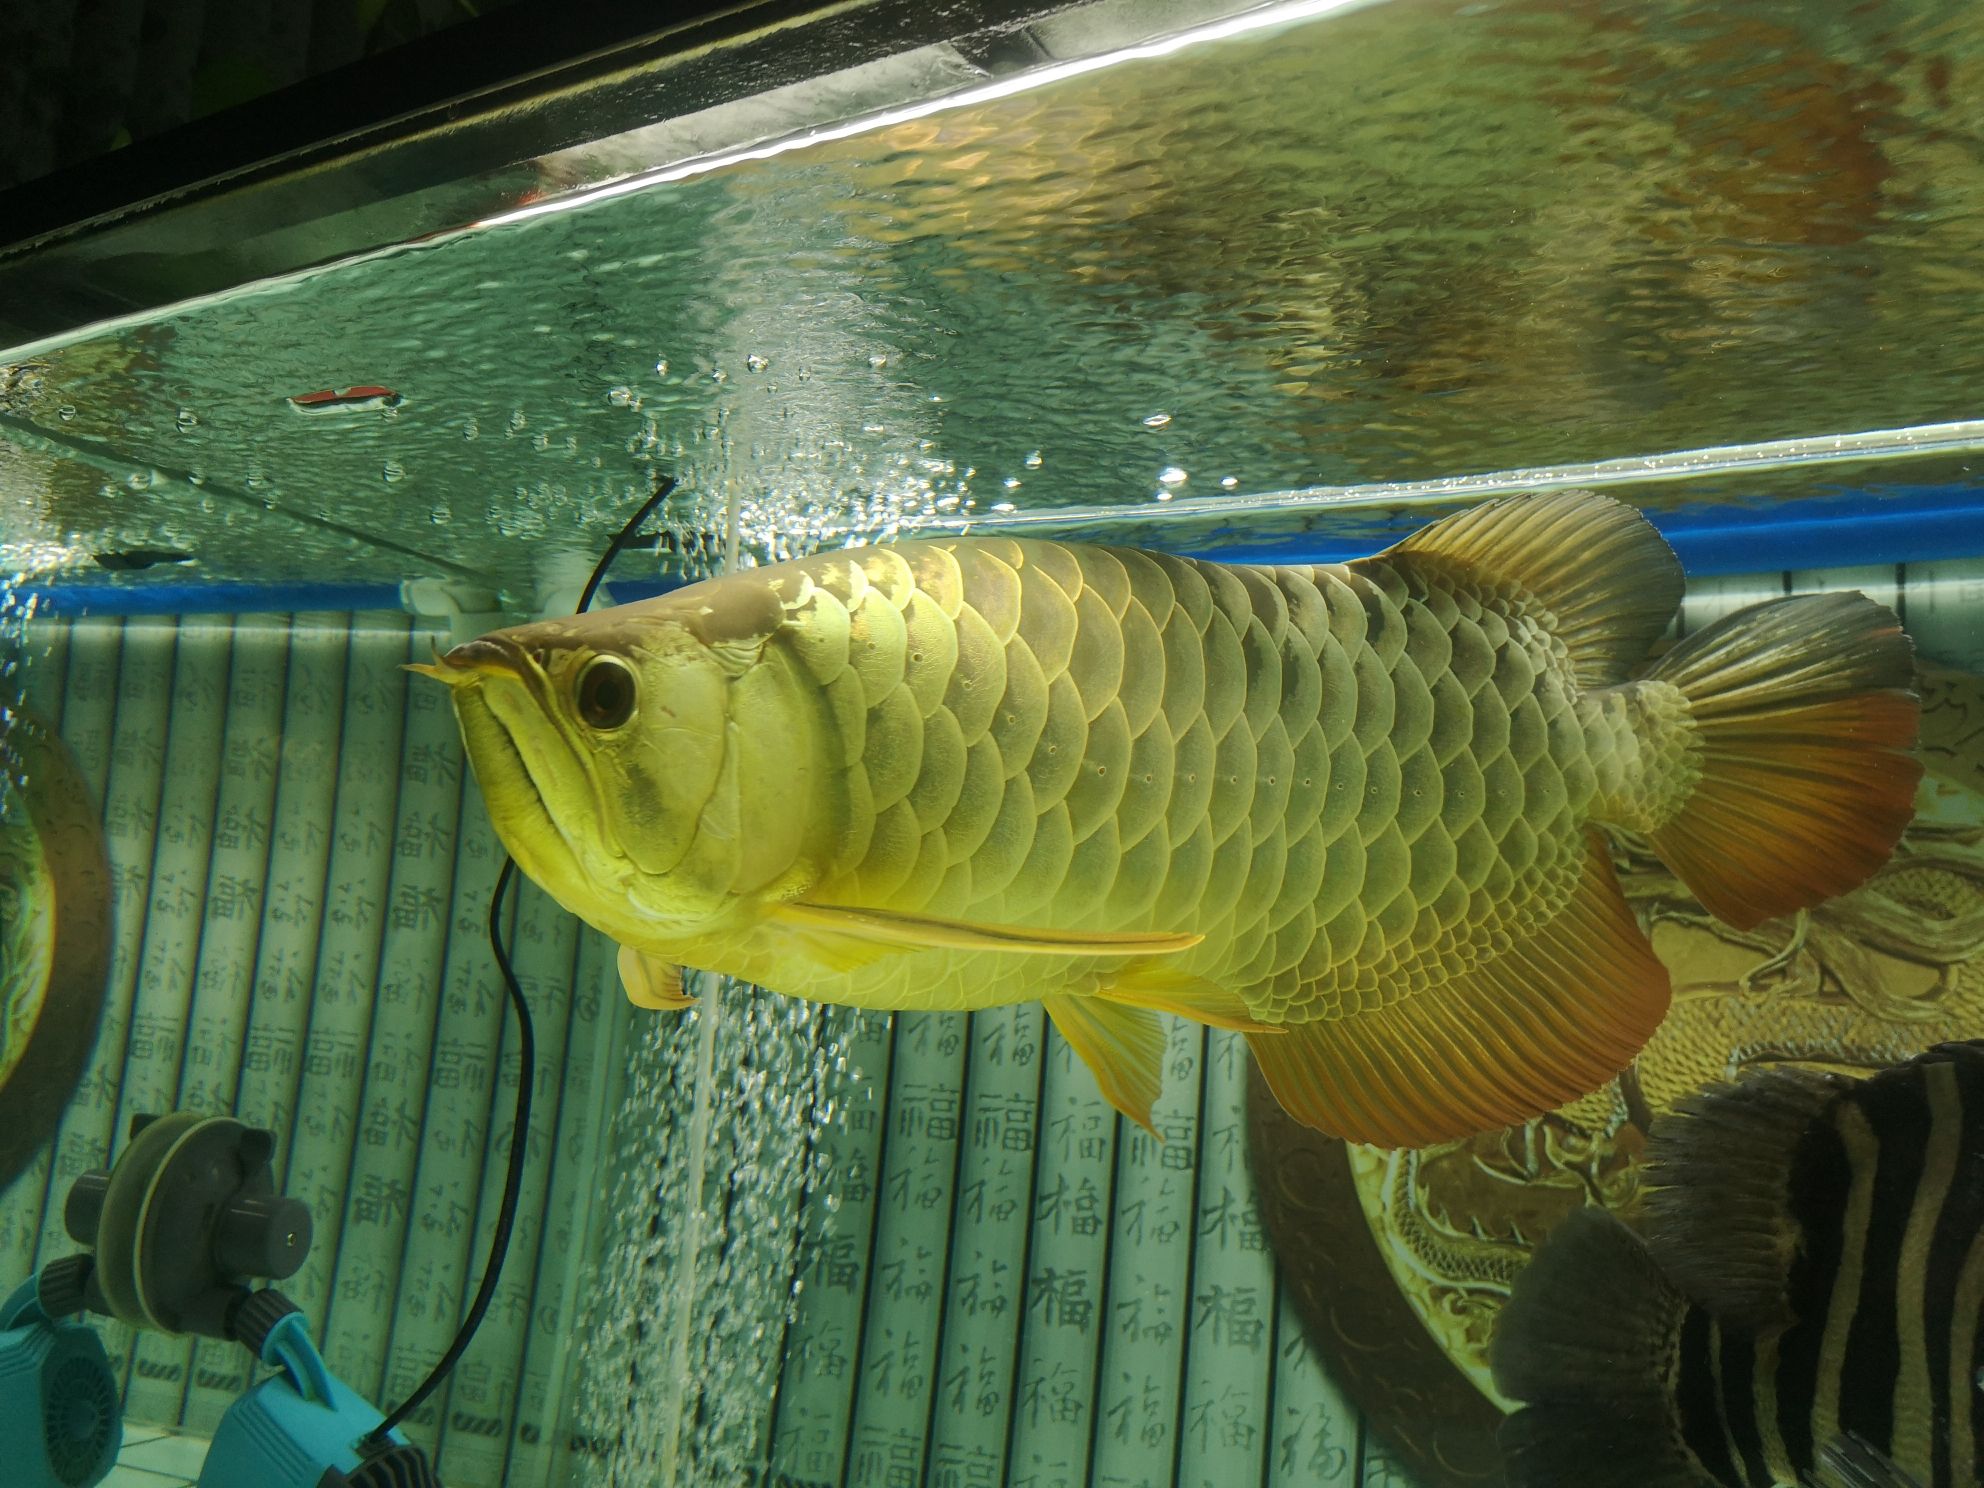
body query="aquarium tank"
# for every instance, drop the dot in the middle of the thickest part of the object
(1241, 292)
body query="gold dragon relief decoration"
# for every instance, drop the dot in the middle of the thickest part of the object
(1862, 982)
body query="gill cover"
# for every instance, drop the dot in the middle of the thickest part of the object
(700, 743)
(645, 718)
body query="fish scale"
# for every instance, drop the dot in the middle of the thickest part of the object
(1344, 809)
(1231, 766)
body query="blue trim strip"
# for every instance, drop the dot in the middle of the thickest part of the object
(628, 591)
(1919, 524)
(1903, 534)
(73, 599)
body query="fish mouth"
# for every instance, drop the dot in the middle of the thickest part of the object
(489, 656)
(504, 699)
(518, 807)
(485, 656)
(514, 765)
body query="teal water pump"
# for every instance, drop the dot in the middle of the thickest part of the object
(178, 1228)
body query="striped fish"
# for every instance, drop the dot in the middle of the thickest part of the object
(1809, 1295)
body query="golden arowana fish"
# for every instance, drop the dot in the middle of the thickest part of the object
(1345, 808)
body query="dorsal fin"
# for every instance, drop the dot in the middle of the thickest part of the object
(1609, 582)
(1718, 1170)
(1728, 1177)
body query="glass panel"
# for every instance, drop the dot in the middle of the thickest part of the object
(1411, 242)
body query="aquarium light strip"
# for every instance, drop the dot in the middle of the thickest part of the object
(1006, 87)
(1961, 436)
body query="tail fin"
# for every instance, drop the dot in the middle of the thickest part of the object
(1803, 714)
(1588, 1341)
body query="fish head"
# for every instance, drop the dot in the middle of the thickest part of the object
(599, 743)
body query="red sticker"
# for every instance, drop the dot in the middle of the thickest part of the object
(366, 395)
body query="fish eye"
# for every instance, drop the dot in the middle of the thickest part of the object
(605, 692)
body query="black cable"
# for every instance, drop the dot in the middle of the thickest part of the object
(506, 1214)
(663, 484)
(513, 1177)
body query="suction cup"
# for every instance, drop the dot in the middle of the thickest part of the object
(186, 1217)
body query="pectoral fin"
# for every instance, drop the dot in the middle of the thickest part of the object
(651, 982)
(927, 933)
(1122, 1045)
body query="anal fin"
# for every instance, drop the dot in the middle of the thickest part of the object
(1122, 1045)
(1166, 989)
(1561, 1011)
(651, 982)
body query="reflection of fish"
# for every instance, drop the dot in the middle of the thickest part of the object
(1345, 808)
(135, 558)
(1813, 1271)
